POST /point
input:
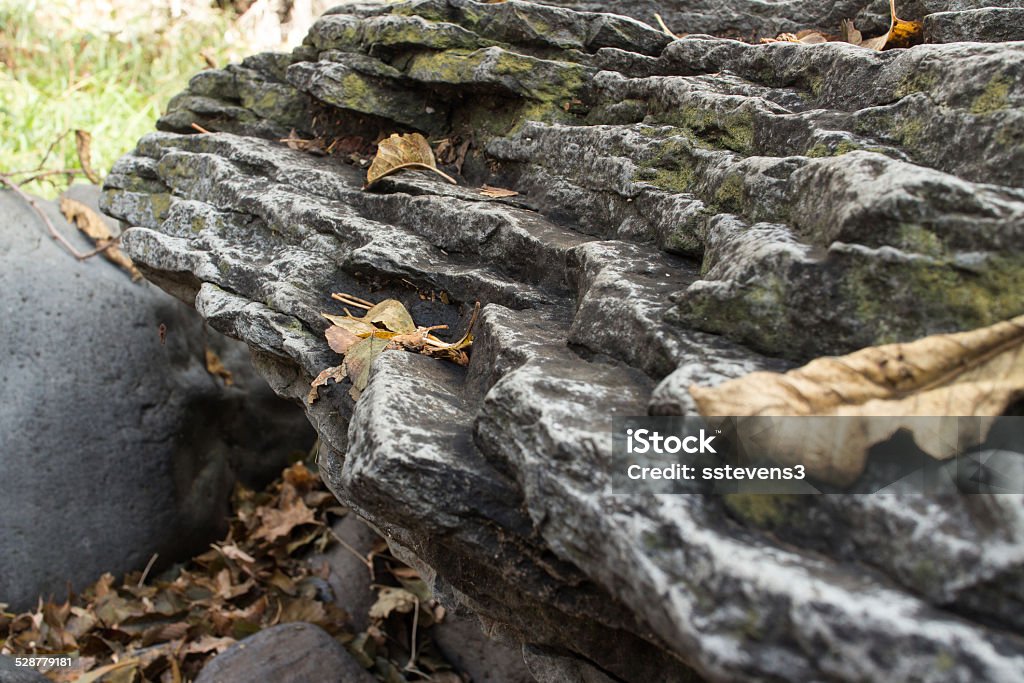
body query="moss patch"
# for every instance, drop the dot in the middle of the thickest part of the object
(995, 97)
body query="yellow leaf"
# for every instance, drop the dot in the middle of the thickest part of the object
(901, 33)
(392, 599)
(215, 366)
(978, 373)
(392, 314)
(94, 227)
(401, 152)
(356, 326)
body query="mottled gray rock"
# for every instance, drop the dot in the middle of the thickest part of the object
(689, 211)
(114, 445)
(9, 673)
(987, 25)
(742, 18)
(289, 653)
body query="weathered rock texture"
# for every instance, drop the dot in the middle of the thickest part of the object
(690, 211)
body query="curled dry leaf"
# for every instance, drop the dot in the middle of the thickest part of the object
(978, 373)
(90, 223)
(83, 145)
(215, 366)
(901, 33)
(497, 192)
(400, 152)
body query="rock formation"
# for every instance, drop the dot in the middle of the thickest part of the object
(689, 211)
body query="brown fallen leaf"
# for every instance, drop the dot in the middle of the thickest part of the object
(90, 223)
(400, 152)
(215, 366)
(489, 191)
(316, 146)
(280, 521)
(978, 373)
(901, 33)
(83, 145)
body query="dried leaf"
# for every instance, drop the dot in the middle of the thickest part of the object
(97, 674)
(901, 33)
(279, 522)
(392, 314)
(976, 373)
(391, 599)
(489, 191)
(315, 146)
(357, 326)
(83, 145)
(337, 373)
(340, 339)
(359, 360)
(90, 223)
(215, 366)
(805, 37)
(399, 152)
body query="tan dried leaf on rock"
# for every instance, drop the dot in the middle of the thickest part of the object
(497, 192)
(94, 227)
(978, 373)
(215, 366)
(83, 146)
(901, 33)
(402, 152)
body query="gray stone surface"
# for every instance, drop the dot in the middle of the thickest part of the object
(9, 673)
(986, 25)
(289, 653)
(113, 446)
(689, 211)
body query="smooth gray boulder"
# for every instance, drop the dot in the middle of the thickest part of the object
(114, 445)
(289, 653)
(689, 211)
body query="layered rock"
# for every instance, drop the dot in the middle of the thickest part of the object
(689, 211)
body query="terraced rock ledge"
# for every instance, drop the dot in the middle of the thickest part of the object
(690, 210)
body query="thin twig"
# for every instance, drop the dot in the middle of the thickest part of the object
(49, 224)
(415, 625)
(200, 128)
(352, 300)
(49, 150)
(346, 546)
(661, 23)
(40, 174)
(145, 572)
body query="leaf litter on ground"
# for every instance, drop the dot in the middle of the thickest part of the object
(95, 228)
(263, 573)
(386, 326)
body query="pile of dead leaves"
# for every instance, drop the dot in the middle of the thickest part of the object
(165, 628)
(386, 326)
(901, 33)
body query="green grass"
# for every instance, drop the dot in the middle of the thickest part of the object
(65, 65)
